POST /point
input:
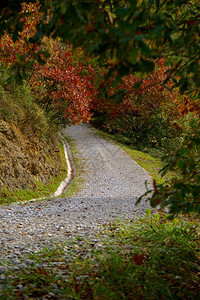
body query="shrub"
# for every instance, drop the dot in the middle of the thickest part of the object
(181, 194)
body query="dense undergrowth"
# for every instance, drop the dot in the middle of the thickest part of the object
(148, 258)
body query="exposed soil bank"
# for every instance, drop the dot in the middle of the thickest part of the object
(26, 158)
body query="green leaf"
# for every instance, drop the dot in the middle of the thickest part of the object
(133, 3)
(138, 84)
(184, 86)
(117, 80)
(119, 96)
(150, 3)
(146, 65)
(134, 55)
(148, 212)
(158, 4)
(163, 171)
(140, 37)
(122, 12)
(145, 49)
(15, 35)
(193, 67)
(19, 57)
(138, 99)
(158, 29)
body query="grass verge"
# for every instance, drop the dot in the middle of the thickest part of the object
(78, 181)
(151, 258)
(39, 190)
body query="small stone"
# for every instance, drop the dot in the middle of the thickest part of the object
(2, 277)
(54, 286)
(2, 270)
(51, 294)
(6, 232)
(19, 287)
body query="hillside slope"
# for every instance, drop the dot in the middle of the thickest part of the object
(24, 160)
(29, 149)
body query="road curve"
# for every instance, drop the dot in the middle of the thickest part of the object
(112, 183)
(108, 171)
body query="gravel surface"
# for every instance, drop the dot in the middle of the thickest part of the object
(113, 181)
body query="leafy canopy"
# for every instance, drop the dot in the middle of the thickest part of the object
(130, 34)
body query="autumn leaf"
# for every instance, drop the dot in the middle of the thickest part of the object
(138, 259)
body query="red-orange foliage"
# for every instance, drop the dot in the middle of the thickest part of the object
(145, 98)
(187, 105)
(63, 88)
(148, 111)
(10, 51)
(69, 88)
(63, 85)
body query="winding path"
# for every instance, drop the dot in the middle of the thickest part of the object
(109, 173)
(112, 183)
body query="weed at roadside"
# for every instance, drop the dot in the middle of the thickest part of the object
(78, 181)
(152, 258)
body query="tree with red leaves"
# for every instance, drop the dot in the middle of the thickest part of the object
(144, 103)
(62, 88)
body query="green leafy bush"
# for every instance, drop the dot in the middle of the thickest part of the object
(151, 130)
(181, 194)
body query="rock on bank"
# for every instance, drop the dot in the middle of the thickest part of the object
(25, 159)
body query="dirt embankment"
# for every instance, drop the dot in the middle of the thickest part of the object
(25, 159)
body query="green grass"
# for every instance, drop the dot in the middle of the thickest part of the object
(151, 258)
(39, 190)
(78, 181)
(150, 163)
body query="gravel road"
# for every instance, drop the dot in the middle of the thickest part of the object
(112, 183)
